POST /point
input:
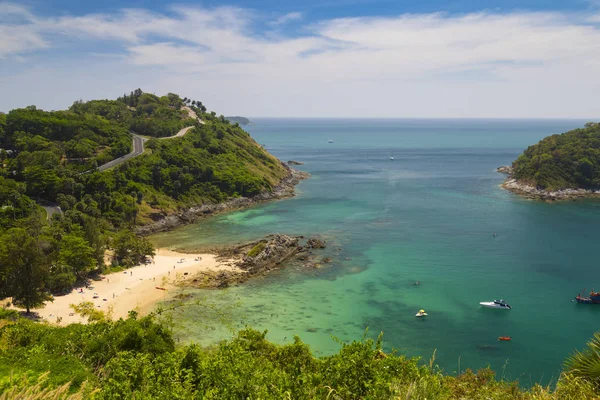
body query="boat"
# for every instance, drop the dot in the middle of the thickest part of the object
(421, 313)
(594, 298)
(499, 304)
(391, 157)
(330, 141)
(504, 338)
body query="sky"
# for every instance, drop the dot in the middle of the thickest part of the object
(315, 58)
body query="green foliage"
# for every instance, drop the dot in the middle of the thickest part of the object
(568, 160)
(136, 358)
(23, 268)
(257, 249)
(129, 249)
(585, 364)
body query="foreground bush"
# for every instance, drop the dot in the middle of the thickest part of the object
(137, 358)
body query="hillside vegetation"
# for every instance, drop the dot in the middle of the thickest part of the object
(138, 358)
(568, 160)
(50, 158)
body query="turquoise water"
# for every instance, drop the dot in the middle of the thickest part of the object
(428, 215)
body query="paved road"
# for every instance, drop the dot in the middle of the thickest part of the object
(138, 148)
(52, 209)
(138, 143)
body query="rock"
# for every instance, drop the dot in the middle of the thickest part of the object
(292, 162)
(273, 253)
(314, 243)
(312, 330)
(534, 193)
(505, 169)
(326, 260)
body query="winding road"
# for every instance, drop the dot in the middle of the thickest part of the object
(51, 209)
(138, 148)
(138, 143)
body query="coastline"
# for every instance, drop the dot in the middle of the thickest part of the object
(285, 189)
(134, 288)
(533, 193)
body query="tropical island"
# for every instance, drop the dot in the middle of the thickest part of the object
(559, 167)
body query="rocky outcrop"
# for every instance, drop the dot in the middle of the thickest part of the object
(505, 169)
(284, 189)
(315, 243)
(277, 250)
(257, 259)
(292, 162)
(534, 193)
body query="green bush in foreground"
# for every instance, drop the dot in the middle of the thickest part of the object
(137, 358)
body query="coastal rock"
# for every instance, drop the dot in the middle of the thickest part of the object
(284, 189)
(534, 193)
(256, 259)
(292, 162)
(314, 243)
(505, 169)
(272, 253)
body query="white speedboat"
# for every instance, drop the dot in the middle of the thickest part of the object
(499, 304)
(330, 141)
(421, 313)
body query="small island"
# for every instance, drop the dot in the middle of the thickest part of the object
(239, 120)
(560, 167)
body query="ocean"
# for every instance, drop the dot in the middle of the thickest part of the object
(428, 215)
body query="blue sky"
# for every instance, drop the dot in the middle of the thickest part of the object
(337, 58)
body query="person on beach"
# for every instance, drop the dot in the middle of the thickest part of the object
(130, 273)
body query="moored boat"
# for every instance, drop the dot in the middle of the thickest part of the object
(594, 298)
(421, 313)
(504, 338)
(498, 304)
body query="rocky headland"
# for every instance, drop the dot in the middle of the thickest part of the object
(285, 188)
(534, 193)
(259, 258)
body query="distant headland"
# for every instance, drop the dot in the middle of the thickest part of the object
(239, 120)
(559, 167)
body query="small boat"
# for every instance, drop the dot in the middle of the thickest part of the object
(594, 298)
(330, 141)
(498, 304)
(421, 313)
(504, 338)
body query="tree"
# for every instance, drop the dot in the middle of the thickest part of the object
(77, 254)
(129, 249)
(23, 268)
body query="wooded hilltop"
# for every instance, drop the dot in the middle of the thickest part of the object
(569, 160)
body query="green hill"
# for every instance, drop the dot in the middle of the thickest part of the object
(568, 160)
(50, 157)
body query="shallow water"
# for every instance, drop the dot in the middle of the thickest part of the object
(429, 215)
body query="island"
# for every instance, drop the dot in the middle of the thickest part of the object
(239, 120)
(560, 167)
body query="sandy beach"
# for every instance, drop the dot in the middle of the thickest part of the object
(134, 288)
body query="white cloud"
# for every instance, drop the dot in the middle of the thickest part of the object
(284, 19)
(521, 64)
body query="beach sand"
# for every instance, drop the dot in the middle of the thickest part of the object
(134, 288)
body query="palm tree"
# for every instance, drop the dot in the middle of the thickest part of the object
(586, 363)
